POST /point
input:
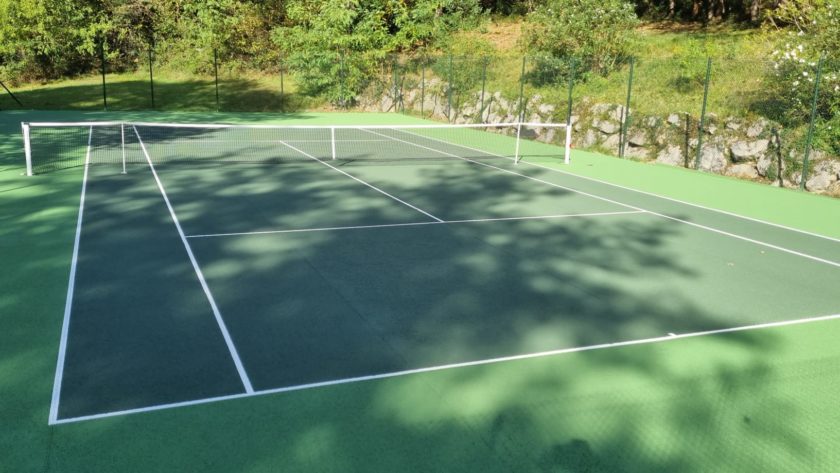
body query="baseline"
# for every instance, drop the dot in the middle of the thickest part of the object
(489, 361)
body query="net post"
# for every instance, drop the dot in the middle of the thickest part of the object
(122, 145)
(567, 151)
(518, 138)
(27, 147)
(332, 141)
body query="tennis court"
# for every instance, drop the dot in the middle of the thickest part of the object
(212, 264)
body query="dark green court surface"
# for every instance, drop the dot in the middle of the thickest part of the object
(312, 271)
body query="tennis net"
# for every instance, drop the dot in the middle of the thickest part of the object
(52, 146)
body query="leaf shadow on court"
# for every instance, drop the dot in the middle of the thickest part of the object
(695, 405)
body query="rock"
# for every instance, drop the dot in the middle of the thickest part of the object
(386, 103)
(675, 119)
(763, 165)
(545, 109)
(590, 139)
(743, 171)
(756, 128)
(711, 129)
(636, 152)
(671, 155)
(651, 122)
(611, 143)
(637, 138)
(827, 166)
(574, 120)
(606, 127)
(712, 159)
(547, 136)
(834, 189)
(616, 113)
(742, 150)
(600, 108)
(819, 182)
(732, 125)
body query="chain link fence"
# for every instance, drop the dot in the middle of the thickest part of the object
(767, 120)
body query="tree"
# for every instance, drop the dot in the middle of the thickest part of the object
(596, 34)
(336, 46)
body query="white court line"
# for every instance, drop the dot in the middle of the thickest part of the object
(691, 204)
(466, 364)
(68, 304)
(361, 181)
(200, 141)
(698, 225)
(246, 382)
(414, 224)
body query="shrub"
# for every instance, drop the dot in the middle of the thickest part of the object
(817, 32)
(598, 35)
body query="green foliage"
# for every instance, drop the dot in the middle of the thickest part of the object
(597, 35)
(363, 33)
(816, 32)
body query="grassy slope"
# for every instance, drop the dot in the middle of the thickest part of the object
(756, 401)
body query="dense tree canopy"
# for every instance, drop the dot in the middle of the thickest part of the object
(335, 46)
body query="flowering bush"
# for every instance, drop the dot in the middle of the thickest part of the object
(795, 63)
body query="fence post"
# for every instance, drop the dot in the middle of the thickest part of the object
(394, 74)
(216, 74)
(778, 139)
(282, 88)
(571, 89)
(484, 60)
(810, 138)
(521, 111)
(625, 114)
(449, 92)
(151, 70)
(341, 75)
(102, 61)
(702, 124)
(686, 155)
(10, 93)
(423, 85)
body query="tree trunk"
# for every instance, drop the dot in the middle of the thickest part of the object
(755, 10)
